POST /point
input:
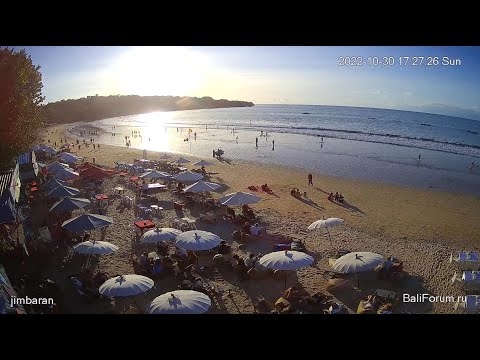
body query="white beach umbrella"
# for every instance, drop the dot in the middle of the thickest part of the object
(188, 176)
(201, 186)
(202, 163)
(286, 260)
(181, 161)
(154, 174)
(197, 240)
(180, 302)
(356, 262)
(91, 247)
(326, 224)
(159, 234)
(63, 191)
(126, 285)
(239, 198)
(69, 204)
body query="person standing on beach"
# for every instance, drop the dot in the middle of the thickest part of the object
(273, 144)
(94, 160)
(310, 179)
(419, 157)
(256, 142)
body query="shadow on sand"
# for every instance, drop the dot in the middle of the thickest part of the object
(310, 203)
(350, 207)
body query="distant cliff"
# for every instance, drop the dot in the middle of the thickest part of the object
(101, 107)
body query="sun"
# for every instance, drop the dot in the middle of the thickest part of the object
(159, 71)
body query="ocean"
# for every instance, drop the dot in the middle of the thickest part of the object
(371, 144)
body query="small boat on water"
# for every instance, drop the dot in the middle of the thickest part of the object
(424, 124)
(306, 113)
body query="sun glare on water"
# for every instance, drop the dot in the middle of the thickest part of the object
(155, 131)
(159, 71)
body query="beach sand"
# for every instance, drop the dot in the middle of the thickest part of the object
(420, 227)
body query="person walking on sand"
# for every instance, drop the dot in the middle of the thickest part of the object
(256, 142)
(310, 179)
(419, 157)
(273, 144)
(93, 160)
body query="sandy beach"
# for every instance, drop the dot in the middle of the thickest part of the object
(420, 227)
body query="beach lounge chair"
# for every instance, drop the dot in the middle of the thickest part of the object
(470, 280)
(466, 260)
(471, 305)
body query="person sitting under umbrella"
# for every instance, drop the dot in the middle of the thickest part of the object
(240, 267)
(247, 212)
(157, 268)
(250, 261)
(229, 214)
(162, 248)
(144, 263)
(245, 232)
(224, 248)
(255, 230)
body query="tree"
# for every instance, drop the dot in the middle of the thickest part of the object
(21, 112)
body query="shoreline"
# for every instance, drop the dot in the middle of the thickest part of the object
(379, 198)
(420, 227)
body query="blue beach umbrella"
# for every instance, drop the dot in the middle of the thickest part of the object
(69, 204)
(87, 222)
(63, 191)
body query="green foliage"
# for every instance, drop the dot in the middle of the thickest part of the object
(101, 107)
(21, 113)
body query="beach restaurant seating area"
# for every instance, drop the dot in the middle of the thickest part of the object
(184, 233)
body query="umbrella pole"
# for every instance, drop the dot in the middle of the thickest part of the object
(135, 301)
(330, 239)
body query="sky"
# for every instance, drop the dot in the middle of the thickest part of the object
(272, 75)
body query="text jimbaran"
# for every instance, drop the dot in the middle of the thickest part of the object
(30, 301)
(420, 298)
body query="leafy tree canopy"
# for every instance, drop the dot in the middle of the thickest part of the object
(21, 113)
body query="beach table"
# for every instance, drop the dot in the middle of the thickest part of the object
(157, 210)
(189, 222)
(143, 225)
(471, 279)
(102, 200)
